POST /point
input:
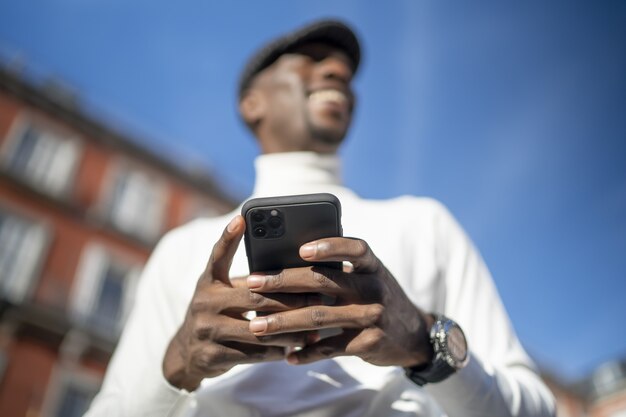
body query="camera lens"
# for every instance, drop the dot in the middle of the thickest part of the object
(258, 216)
(259, 231)
(275, 222)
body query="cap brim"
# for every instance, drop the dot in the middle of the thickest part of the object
(332, 32)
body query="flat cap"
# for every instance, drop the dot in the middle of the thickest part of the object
(332, 32)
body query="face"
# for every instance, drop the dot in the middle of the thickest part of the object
(308, 100)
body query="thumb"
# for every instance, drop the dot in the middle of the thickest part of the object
(224, 250)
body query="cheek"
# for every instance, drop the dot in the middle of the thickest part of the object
(289, 103)
(287, 116)
(291, 90)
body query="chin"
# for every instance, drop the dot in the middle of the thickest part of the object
(330, 135)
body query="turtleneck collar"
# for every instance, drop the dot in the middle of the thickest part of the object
(297, 173)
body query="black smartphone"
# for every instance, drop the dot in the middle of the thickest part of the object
(276, 227)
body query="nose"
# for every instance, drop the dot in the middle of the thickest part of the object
(333, 68)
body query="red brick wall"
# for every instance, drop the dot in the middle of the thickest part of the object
(8, 111)
(68, 237)
(610, 405)
(90, 174)
(23, 387)
(72, 223)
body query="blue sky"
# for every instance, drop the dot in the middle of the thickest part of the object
(513, 115)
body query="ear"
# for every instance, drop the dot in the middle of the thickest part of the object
(252, 106)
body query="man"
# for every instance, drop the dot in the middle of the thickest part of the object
(189, 348)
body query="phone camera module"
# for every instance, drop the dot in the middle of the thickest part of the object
(259, 231)
(275, 222)
(266, 223)
(258, 216)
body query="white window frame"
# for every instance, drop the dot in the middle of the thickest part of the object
(64, 376)
(30, 240)
(52, 165)
(130, 212)
(89, 281)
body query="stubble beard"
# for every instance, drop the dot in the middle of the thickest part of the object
(324, 135)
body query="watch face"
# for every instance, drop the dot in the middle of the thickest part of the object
(456, 344)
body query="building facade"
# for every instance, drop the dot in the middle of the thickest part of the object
(607, 390)
(81, 207)
(601, 394)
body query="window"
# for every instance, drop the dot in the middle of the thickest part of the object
(108, 305)
(74, 401)
(69, 393)
(608, 378)
(22, 244)
(137, 203)
(42, 157)
(104, 290)
(3, 364)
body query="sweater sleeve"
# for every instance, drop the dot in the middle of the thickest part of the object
(500, 379)
(134, 384)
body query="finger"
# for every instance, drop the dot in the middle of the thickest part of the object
(239, 282)
(340, 345)
(290, 340)
(230, 330)
(318, 317)
(241, 300)
(224, 250)
(315, 279)
(355, 251)
(255, 353)
(229, 355)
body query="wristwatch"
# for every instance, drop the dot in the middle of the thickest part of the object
(450, 353)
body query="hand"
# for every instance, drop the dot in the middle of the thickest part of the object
(380, 324)
(214, 336)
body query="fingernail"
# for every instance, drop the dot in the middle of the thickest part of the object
(308, 250)
(232, 225)
(255, 281)
(258, 325)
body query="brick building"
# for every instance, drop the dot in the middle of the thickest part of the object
(602, 394)
(607, 390)
(81, 207)
(571, 400)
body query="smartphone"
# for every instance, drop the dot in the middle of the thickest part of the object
(276, 227)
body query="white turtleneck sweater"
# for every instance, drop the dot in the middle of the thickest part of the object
(426, 251)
